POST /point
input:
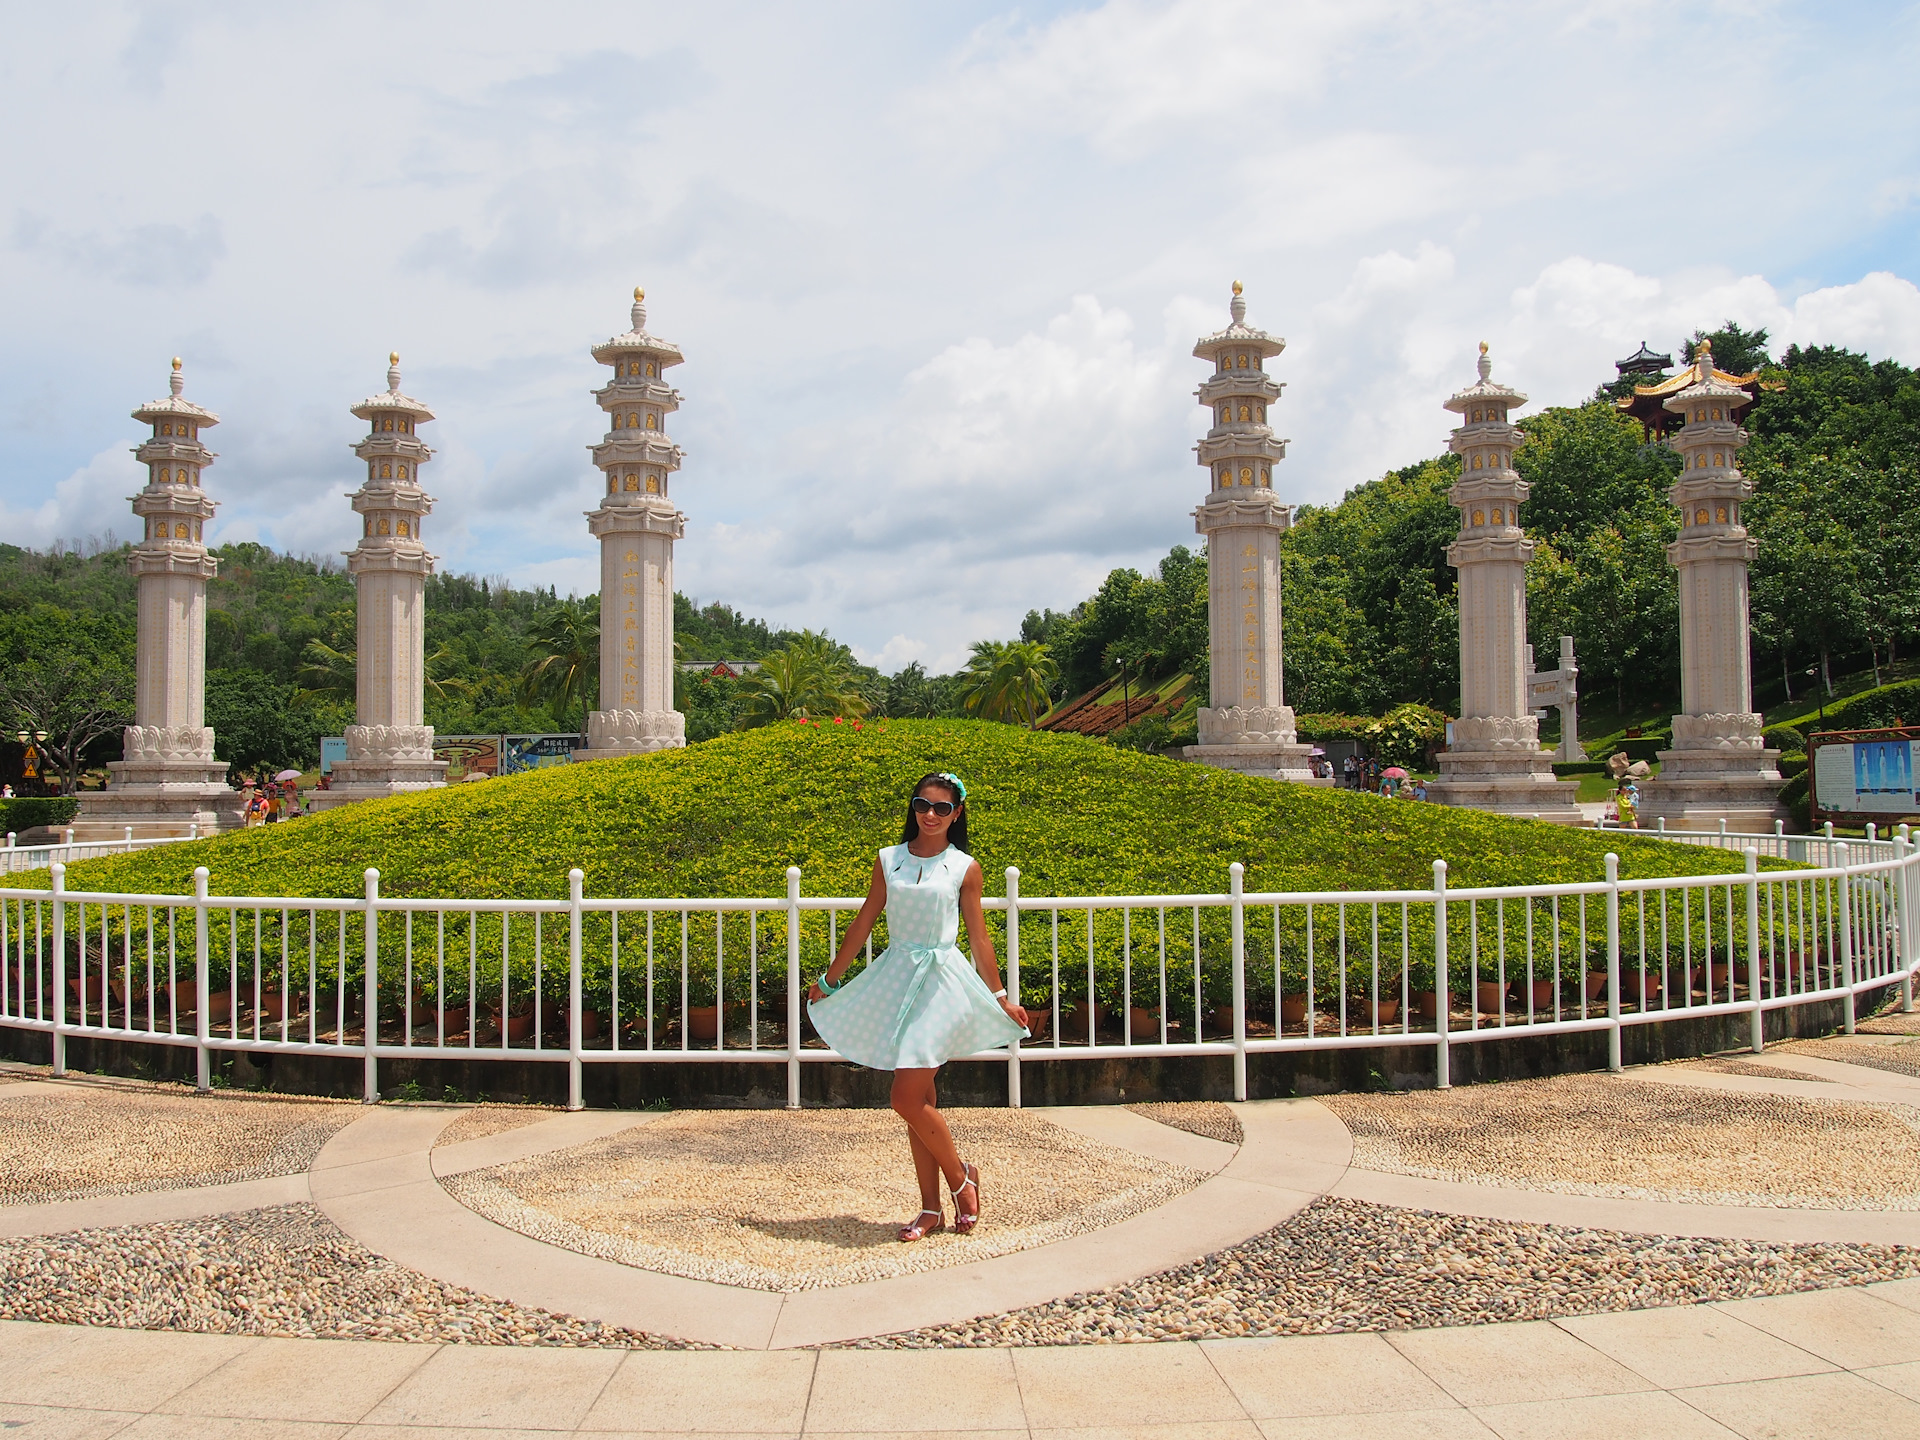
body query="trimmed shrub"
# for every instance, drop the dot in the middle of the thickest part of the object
(29, 811)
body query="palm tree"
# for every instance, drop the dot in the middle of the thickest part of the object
(563, 668)
(330, 674)
(811, 676)
(325, 673)
(1008, 680)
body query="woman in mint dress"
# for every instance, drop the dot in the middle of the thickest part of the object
(921, 1002)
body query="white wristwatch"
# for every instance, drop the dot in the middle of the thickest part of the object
(999, 994)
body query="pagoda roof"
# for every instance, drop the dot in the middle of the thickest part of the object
(1238, 333)
(175, 405)
(1643, 361)
(1485, 389)
(637, 340)
(391, 401)
(1655, 406)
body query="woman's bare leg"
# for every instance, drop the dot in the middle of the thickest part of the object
(914, 1101)
(927, 1171)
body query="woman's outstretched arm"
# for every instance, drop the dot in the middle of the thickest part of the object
(857, 932)
(980, 940)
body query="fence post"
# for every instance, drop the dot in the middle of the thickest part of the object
(1442, 994)
(793, 987)
(202, 986)
(1236, 875)
(576, 879)
(1846, 935)
(1903, 849)
(1660, 823)
(370, 1012)
(59, 872)
(1757, 1037)
(1013, 981)
(1613, 963)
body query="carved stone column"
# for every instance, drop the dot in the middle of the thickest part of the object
(636, 526)
(1495, 761)
(1719, 767)
(1248, 726)
(389, 748)
(167, 781)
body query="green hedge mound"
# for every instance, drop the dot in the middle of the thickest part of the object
(726, 817)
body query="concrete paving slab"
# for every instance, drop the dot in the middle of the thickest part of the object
(1904, 1293)
(1787, 1085)
(706, 1392)
(874, 1391)
(1123, 1128)
(1291, 1144)
(318, 1380)
(515, 1385)
(46, 1422)
(1901, 1379)
(1174, 1430)
(1300, 1375)
(104, 1369)
(1809, 1407)
(524, 1141)
(1774, 1224)
(1510, 1364)
(1603, 1417)
(206, 1427)
(149, 1207)
(1099, 1387)
(1849, 1327)
(1454, 1424)
(1685, 1345)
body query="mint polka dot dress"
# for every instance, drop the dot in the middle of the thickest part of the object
(920, 1003)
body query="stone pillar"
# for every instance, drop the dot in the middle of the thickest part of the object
(167, 780)
(1248, 726)
(389, 748)
(1495, 761)
(1719, 767)
(636, 526)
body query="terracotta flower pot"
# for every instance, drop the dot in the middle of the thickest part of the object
(1379, 1012)
(1719, 976)
(1426, 1004)
(1293, 1009)
(219, 1005)
(1039, 1021)
(520, 1025)
(1487, 995)
(1073, 1025)
(1542, 994)
(1220, 1021)
(1596, 984)
(1145, 1025)
(703, 1022)
(275, 1005)
(1649, 986)
(592, 1022)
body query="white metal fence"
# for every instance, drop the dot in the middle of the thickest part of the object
(588, 981)
(15, 858)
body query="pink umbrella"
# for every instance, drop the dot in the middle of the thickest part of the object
(295, 775)
(1394, 772)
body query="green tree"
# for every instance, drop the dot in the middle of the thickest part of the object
(562, 671)
(65, 675)
(813, 676)
(1008, 680)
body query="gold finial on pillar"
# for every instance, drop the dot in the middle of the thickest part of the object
(1236, 287)
(1483, 347)
(176, 362)
(638, 294)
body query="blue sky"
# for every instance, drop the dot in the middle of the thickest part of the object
(937, 270)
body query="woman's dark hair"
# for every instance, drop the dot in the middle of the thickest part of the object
(957, 832)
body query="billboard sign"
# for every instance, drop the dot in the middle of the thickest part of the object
(535, 752)
(468, 754)
(1866, 773)
(333, 748)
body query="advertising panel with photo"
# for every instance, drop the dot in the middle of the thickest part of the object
(468, 755)
(535, 752)
(1868, 774)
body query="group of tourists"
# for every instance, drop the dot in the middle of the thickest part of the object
(1365, 773)
(269, 801)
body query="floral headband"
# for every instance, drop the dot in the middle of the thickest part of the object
(959, 785)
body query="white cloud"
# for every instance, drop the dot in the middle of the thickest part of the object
(866, 230)
(89, 503)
